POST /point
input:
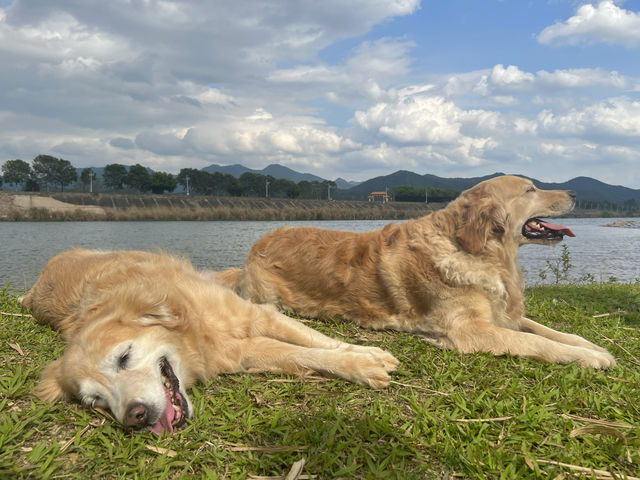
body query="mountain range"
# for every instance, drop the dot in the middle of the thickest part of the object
(276, 171)
(586, 188)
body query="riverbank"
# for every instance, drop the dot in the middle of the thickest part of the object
(125, 207)
(21, 206)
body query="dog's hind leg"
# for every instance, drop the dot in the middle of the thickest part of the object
(470, 329)
(528, 325)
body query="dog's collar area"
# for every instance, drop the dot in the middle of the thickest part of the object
(176, 408)
(535, 228)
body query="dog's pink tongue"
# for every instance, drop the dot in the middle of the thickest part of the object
(558, 228)
(164, 423)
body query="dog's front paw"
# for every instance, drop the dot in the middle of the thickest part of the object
(375, 371)
(387, 360)
(597, 359)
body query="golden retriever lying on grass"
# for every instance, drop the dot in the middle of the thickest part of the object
(451, 276)
(141, 328)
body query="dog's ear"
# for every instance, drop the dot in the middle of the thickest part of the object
(480, 218)
(141, 304)
(49, 388)
(158, 314)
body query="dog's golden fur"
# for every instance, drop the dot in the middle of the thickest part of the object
(451, 276)
(134, 321)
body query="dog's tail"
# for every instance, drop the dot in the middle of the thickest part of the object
(227, 278)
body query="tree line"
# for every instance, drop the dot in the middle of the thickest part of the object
(250, 184)
(627, 207)
(407, 193)
(46, 172)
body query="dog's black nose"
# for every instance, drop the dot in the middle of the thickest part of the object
(572, 194)
(136, 416)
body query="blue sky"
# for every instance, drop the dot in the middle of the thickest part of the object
(549, 89)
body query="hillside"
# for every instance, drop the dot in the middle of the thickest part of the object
(587, 189)
(404, 177)
(275, 170)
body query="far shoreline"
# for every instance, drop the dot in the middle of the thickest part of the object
(72, 206)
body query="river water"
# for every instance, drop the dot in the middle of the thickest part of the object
(25, 247)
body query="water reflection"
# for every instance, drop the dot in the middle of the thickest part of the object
(25, 247)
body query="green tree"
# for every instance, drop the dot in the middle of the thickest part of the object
(407, 193)
(138, 178)
(65, 173)
(159, 182)
(198, 181)
(232, 185)
(16, 172)
(282, 187)
(254, 184)
(114, 176)
(52, 170)
(32, 184)
(43, 169)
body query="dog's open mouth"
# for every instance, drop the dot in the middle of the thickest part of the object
(534, 228)
(176, 409)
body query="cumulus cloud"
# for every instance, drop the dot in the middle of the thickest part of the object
(605, 22)
(172, 84)
(371, 68)
(262, 134)
(511, 77)
(586, 77)
(511, 85)
(617, 118)
(418, 118)
(165, 79)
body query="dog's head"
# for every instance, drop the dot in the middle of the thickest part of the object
(510, 208)
(125, 356)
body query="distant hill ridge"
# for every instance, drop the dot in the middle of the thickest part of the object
(586, 188)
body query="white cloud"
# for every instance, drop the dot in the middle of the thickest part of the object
(415, 118)
(603, 23)
(365, 75)
(586, 77)
(262, 134)
(511, 77)
(617, 118)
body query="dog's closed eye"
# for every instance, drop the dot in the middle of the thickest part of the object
(123, 359)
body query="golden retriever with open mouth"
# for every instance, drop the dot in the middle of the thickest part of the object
(141, 328)
(451, 276)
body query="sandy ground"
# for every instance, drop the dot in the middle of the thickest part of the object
(10, 202)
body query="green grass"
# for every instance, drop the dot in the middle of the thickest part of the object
(445, 416)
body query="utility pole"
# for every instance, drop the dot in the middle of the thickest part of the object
(426, 195)
(266, 187)
(328, 191)
(187, 185)
(91, 175)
